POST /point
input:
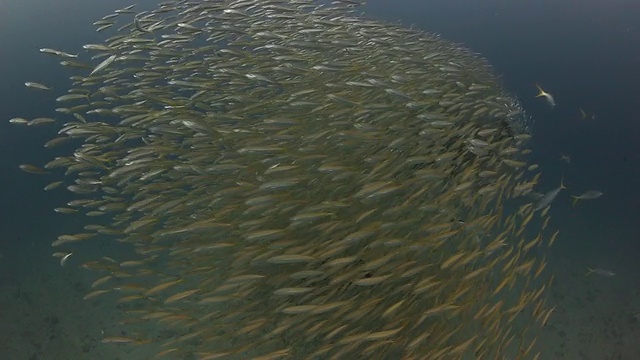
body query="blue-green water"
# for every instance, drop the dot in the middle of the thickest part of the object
(586, 53)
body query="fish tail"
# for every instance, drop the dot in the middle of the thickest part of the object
(562, 183)
(540, 91)
(589, 271)
(584, 114)
(575, 200)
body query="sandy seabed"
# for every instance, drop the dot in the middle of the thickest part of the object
(43, 315)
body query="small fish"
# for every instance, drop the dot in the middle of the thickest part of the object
(32, 169)
(58, 53)
(35, 85)
(546, 95)
(64, 259)
(138, 25)
(188, 27)
(586, 116)
(548, 198)
(587, 195)
(19, 121)
(565, 158)
(118, 340)
(41, 121)
(583, 114)
(106, 62)
(601, 272)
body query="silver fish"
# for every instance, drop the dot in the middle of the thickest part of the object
(106, 62)
(601, 272)
(548, 198)
(587, 195)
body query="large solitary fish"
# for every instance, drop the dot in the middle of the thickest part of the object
(548, 198)
(601, 272)
(588, 195)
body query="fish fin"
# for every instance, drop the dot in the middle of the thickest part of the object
(575, 200)
(541, 92)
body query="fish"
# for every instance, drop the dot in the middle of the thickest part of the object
(32, 169)
(548, 198)
(19, 121)
(69, 97)
(58, 53)
(565, 158)
(587, 195)
(63, 260)
(103, 65)
(601, 272)
(274, 178)
(35, 85)
(119, 340)
(546, 95)
(583, 114)
(41, 121)
(138, 24)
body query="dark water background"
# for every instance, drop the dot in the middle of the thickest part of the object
(586, 53)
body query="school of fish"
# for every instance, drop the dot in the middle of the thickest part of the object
(293, 180)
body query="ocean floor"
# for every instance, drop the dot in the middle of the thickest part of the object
(597, 316)
(43, 315)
